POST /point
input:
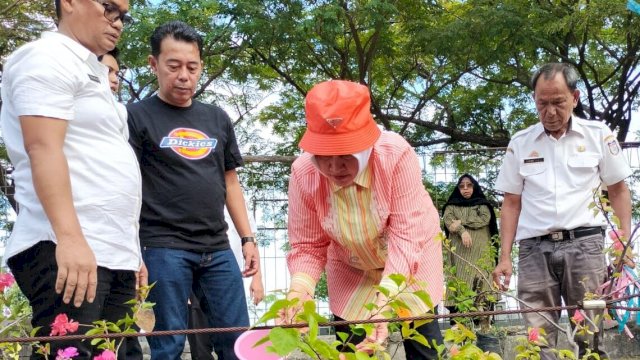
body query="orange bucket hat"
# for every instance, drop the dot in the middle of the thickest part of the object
(339, 121)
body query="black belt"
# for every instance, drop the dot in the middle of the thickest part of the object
(563, 235)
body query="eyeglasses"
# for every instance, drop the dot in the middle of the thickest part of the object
(113, 13)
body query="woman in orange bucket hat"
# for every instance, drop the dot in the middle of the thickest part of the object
(359, 211)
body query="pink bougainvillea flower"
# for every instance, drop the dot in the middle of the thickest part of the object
(534, 335)
(67, 354)
(62, 325)
(617, 244)
(577, 317)
(6, 280)
(106, 355)
(454, 351)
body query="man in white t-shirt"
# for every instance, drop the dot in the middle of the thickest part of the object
(548, 176)
(74, 248)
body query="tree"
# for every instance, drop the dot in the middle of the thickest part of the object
(219, 49)
(21, 21)
(441, 72)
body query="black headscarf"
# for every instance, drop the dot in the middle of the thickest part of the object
(477, 198)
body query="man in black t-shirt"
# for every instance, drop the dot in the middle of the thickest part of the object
(188, 155)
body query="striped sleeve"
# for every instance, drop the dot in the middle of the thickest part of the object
(412, 225)
(308, 255)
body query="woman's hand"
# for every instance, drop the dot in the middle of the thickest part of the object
(288, 315)
(454, 225)
(377, 339)
(466, 239)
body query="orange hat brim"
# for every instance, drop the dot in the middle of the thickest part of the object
(329, 144)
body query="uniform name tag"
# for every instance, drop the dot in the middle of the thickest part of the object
(534, 160)
(94, 78)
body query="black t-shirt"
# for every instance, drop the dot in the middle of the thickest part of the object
(183, 154)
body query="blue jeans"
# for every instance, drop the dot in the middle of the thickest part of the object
(214, 278)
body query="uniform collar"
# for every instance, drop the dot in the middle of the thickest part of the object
(364, 179)
(78, 49)
(574, 127)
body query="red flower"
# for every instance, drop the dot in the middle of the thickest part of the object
(615, 235)
(577, 317)
(106, 355)
(6, 280)
(62, 325)
(534, 335)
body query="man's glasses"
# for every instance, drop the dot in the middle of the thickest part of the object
(113, 13)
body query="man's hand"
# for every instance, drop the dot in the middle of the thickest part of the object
(256, 290)
(455, 224)
(77, 271)
(142, 279)
(502, 274)
(466, 239)
(251, 259)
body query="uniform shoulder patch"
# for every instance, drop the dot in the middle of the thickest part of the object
(612, 145)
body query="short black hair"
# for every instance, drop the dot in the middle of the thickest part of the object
(115, 52)
(177, 30)
(549, 70)
(58, 11)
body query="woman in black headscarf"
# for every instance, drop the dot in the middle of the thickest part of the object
(470, 224)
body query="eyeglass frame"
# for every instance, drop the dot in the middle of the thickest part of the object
(111, 9)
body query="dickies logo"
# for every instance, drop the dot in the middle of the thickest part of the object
(191, 144)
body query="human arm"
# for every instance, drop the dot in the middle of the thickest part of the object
(620, 199)
(477, 219)
(450, 220)
(412, 225)
(509, 214)
(142, 277)
(256, 289)
(307, 257)
(238, 212)
(77, 267)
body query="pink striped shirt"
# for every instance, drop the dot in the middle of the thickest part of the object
(401, 214)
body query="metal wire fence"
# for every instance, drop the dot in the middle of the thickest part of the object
(439, 171)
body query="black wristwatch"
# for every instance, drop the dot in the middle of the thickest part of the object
(247, 239)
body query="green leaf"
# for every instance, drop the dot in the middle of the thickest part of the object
(342, 336)
(383, 290)
(284, 340)
(398, 279)
(261, 341)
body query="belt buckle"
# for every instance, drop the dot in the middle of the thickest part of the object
(556, 236)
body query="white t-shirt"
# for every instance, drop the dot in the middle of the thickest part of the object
(556, 177)
(59, 78)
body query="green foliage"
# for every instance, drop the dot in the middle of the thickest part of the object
(465, 296)
(460, 69)
(15, 321)
(285, 340)
(23, 21)
(15, 318)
